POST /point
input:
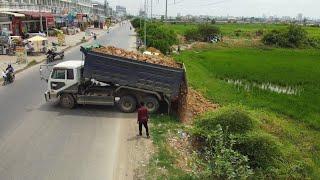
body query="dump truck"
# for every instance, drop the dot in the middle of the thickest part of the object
(102, 79)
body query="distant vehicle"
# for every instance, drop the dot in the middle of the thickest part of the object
(111, 80)
(52, 54)
(8, 78)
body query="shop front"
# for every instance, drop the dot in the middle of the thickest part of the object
(31, 23)
(9, 21)
(5, 23)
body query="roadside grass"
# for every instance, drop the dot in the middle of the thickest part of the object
(293, 119)
(162, 164)
(299, 145)
(32, 63)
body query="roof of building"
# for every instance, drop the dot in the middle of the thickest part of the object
(70, 64)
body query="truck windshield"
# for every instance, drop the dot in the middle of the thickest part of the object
(58, 74)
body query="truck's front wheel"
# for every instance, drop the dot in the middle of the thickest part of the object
(67, 101)
(127, 104)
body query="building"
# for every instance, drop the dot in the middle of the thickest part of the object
(99, 13)
(121, 11)
(22, 16)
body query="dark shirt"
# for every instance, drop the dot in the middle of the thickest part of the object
(143, 115)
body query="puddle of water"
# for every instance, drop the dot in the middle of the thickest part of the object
(250, 86)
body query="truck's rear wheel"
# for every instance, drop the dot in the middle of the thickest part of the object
(67, 101)
(151, 103)
(127, 104)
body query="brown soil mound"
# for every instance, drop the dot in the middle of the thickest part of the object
(164, 61)
(192, 103)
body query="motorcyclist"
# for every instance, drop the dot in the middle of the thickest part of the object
(9, 73)
(50, 54)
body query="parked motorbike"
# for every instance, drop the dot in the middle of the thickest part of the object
(10, 77)
(51, 55)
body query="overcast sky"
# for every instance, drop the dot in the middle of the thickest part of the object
(309, 8)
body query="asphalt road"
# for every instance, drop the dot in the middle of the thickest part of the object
(40, 140)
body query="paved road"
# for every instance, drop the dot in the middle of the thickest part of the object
(43, 141)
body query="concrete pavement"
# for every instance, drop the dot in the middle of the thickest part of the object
(39, 140)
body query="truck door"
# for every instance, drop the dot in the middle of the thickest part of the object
(58, 80)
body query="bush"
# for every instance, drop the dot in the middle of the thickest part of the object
(202, 33)
(159, 37)
(293, 37)
(235, 120)
(206, 31)
(263, 150)
(136, 22)
(192, 34)
(222, 161)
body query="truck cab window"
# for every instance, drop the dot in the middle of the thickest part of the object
(58, 74)
(70, 74)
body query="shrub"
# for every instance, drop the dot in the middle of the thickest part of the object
(293, 37)
(206, 31)
(202, 33)
(159, 37)
(263, 150)
(237, 33)
(235, 120)
(222, 161)
(136, 22)
(192, 34)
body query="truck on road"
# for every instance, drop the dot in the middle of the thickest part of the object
(102, 79)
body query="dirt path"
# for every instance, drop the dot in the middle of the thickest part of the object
(134, 152)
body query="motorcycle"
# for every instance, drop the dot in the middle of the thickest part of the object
(8, 79)
(51, 55)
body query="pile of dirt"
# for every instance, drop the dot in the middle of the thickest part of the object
(164, 61)
(154, 50)
(192, 103)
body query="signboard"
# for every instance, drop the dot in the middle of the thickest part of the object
(21, 54)
(61, 39)
(50, 21)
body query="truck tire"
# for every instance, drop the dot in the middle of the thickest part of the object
(127, 104)
(151, 103)
(67, 101)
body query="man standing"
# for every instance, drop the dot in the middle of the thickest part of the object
(143, 118)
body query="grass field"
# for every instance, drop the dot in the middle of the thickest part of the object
(299, 69)
(215, 70)
(245, 30)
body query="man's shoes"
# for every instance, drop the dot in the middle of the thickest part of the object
(148, 136)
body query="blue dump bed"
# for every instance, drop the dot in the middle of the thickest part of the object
(132, 73)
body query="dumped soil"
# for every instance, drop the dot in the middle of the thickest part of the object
(160, 60)
(192, 104)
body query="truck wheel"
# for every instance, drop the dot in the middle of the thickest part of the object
(151, 103)
(127, 104)
(67, 101)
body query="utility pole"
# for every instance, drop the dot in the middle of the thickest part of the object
(151, 8)
(41, 26)
(145, 23)
(166, 10)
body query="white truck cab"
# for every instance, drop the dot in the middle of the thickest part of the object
(63, 76)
